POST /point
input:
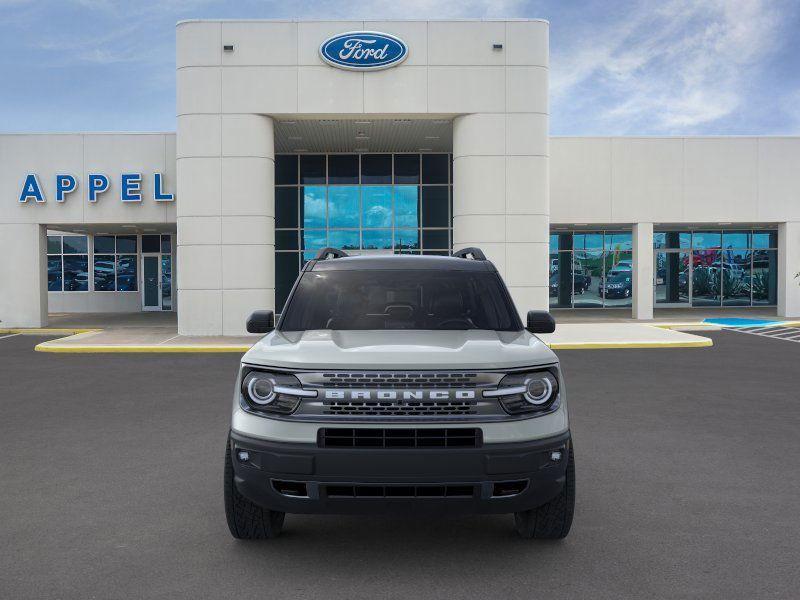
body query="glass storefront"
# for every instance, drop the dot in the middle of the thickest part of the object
(591, 269)
(392, 203)
(110, 263)
(715, 268)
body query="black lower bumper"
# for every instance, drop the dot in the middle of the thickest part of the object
(304, 478)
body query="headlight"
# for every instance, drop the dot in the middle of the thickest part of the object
(272, 392)
(260, 388)
(538, 389)
(535, 391)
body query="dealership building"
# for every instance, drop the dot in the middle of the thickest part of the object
(385, 137)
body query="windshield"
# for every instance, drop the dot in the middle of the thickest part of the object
(424, 299)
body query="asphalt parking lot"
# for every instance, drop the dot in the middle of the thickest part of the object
(688, 486)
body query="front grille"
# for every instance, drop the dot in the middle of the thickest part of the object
(336, 437)
(396, 381)
(422, 408)
(399, 491)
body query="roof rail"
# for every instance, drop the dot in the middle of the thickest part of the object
(327, 253)
(474, 253)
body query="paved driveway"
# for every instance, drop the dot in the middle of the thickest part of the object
(688, 486)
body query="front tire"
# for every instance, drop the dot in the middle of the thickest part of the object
(551, 521)
(247, 520)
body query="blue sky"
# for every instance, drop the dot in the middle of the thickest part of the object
(617, 67)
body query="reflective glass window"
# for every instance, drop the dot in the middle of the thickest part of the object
(286, 207)
(76, 273)
(706, 239)
(54, 244)
(287, 266)
(435, 168)
(406, 168)
(765, 239)
(166, 244)
(126, 244)
(346, 239)
(560, 283)
(672, 239)
(618, 241)
(126, 273)
(736, 280)
(617, 283)
(672, 278)
(314, 239)
(313, 206)
(343, 206)
(75, 244)
(436, 239)
(376, 168)
(706, 277)
(104, 273)
(151, 243)
(406, 239)
(343, 168)
(736, 239)
(312, 168)
(166, 282)
(376, 202)
(377, 239)
(104, 244)
(587, 275)
(434, 206)
(406, 206)
(765, 277)
(54, 280)
(588, 241)
(286, 169)
(286, 240)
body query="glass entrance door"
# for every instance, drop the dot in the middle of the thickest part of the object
(151, 276)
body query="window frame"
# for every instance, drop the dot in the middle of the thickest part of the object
(87, 254)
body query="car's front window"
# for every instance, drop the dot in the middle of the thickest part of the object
(392, 299)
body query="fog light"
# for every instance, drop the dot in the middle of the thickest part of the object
(555, 455)
(243, 455)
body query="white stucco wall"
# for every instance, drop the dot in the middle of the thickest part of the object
(675, 180)
(226, 102)
(23, 296)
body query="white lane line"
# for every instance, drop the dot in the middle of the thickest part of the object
(790, 334)
(2, 337)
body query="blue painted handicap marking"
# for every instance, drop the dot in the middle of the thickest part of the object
(741, 322)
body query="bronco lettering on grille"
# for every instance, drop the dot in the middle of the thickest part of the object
(399, 395)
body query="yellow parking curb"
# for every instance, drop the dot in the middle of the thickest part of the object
(46, 331)
(46, 347)
(704, 343)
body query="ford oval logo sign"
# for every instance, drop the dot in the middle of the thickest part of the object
(363, 50)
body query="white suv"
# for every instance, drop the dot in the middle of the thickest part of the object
(399, 383)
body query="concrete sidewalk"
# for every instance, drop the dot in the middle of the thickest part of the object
(137, 334)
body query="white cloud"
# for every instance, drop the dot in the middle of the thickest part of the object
(671, 68)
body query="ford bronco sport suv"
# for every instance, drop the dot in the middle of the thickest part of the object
(399, 383)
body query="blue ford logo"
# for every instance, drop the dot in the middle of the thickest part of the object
(363, 50)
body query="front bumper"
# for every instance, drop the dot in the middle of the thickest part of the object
(400, 480)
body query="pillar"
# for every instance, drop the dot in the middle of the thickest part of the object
(23, 273)
(501, 198)
(788, 268)
(642, 271)
(226, 222)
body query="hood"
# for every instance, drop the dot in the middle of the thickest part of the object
(400, 350)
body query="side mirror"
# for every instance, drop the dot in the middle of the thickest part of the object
(261, 321)
(540, 321)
